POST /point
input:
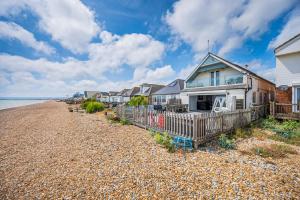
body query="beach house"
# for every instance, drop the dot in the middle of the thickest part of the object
(90, 94)
(113, 97)
(170, 94)
(287, 73)
(104, 97)
(148, 90)
(128, 94)
(219, 83)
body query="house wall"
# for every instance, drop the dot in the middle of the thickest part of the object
(284, 96)
(126, 99)
(168, 97)
(225, 74)
(287, 69)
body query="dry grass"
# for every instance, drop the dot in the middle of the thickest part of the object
(274, 151)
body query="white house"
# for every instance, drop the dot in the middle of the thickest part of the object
(287, 72)
(170, 94)
(90, 94)
(217, 82)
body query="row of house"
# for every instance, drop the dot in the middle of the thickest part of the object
(218, 83)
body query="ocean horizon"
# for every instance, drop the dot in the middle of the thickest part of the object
(12, 103)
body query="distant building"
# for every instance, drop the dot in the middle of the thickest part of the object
(169, 94)
(90, 94)
(287, 72)
(127, 95)
(148, 90)
(113, 97)
(104, 97)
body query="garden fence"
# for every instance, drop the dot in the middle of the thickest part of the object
(200, 127)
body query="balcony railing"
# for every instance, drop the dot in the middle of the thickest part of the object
(206, 82)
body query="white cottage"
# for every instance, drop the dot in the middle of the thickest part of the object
(217, 82)
(287, 72)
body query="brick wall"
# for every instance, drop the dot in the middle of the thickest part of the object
(284, 96)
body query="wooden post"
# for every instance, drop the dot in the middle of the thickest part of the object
(195, 132)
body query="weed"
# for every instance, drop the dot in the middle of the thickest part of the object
(158, 138)
(242, 132)
(165, 140)
(274, 151)
(225, 142)
(290, 125)
(124, 121)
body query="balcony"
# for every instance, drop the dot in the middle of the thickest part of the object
(223, 81)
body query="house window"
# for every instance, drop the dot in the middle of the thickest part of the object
(217, 78)
(239, 104)
(254, 98)
(298, 98)
(212, 78)
(163, 99)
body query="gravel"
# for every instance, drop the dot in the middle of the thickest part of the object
(48, 152)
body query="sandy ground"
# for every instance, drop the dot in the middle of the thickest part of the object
(47, 152)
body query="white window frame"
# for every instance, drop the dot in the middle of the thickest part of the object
(295, 94)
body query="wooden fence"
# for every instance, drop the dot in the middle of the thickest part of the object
(285, 111)
(201, 127)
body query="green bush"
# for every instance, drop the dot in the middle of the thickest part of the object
(290, 125)
(159, 138)
(138, 101)
(124, 121)
(270, 123)
(225, 142)
(165, 140)
(86, 102)
(93, 107)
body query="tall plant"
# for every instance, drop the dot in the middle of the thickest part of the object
(138, 101)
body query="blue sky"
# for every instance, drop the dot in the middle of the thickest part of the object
(58, 47)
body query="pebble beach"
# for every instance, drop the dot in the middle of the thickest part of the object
(47, 152)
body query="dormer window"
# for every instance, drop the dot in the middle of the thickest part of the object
(214, 78)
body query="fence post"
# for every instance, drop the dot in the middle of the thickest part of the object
(195, 132)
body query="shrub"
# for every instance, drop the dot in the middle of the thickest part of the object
(86, 102)
(159, 138)
(138, 101)
(274, 151)
(168, 142)
(113, 118)
(290, 125)
(124, 121)
(93, 107)
(270, 123)
(242, 132)
(225, 142)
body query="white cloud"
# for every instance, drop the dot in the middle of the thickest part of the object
(69, 22)
(186, 71)
(258, 67)
(225, 23)
(135, 50)
(291, 28)
(12, 30)
(40, 75)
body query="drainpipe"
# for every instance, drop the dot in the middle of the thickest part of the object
(247, 90)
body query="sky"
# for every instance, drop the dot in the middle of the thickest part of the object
(54, 48)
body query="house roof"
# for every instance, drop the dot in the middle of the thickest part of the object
(172, 88)
(152, 89)
(131, 92)
(113, 93)
(104, 93)
(233, 65)
(287, 43)
(122, 92)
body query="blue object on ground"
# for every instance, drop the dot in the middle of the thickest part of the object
(184, 143)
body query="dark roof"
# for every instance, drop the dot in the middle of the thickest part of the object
(104, 93)
(131, 92)
(172, 88)
(122, 92)
(286, 42)
(112, 93)
(242, 68)
(152, 89)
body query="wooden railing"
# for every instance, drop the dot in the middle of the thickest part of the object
(285, 111)
(201, 127)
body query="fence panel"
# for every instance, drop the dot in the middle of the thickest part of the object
(198, 126)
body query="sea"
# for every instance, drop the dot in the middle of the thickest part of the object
(11, 103)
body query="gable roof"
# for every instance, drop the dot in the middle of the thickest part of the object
(172, 88)
(287, 43)
(152, 89)
(131, 92)
(228, 63)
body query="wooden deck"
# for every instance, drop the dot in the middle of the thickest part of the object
(285, 111)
